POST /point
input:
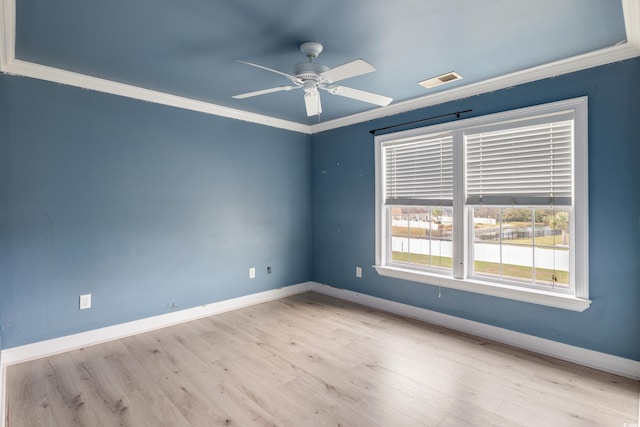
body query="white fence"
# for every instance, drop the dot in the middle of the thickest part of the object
(429, 224)
(414, 224)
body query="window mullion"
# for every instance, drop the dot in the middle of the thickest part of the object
(459, 212)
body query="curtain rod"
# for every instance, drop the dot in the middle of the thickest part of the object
(457, 114)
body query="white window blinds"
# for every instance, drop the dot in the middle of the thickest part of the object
(419, 170)
(521, 164)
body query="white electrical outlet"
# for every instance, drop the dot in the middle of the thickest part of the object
(85, 301)
(252, 273)
(358, 271)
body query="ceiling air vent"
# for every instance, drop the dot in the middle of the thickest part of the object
(436, 81)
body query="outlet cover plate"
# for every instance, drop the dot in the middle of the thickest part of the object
(85, 301)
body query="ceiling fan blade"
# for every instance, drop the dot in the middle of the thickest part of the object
(350, 69)
(360, 95)
(312, 102)
(263, 91)
(289, 76)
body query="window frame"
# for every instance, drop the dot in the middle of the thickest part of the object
(577, 299)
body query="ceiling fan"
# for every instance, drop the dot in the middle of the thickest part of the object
(312, 77)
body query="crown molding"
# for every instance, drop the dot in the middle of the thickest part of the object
(7, 32)
(10, 65)
(631, 11)
(56, 75)
(552, 69)
(628, 50)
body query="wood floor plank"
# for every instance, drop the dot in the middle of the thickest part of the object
(311, 360)
(187, 381)
(116, 389)
(32, 404)
(65, 393)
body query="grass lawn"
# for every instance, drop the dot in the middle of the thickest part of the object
(509, 271)
(417, 232)
(436, 261)
(410, 232)
(551, 241)
(543, 275)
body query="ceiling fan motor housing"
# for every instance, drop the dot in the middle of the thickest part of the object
(309, 71)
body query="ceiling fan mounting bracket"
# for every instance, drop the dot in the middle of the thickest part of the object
(311, 49)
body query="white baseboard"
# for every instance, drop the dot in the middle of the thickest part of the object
(53, 346)
(593, 359)
(602, 361)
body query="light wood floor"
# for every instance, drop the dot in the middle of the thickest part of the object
(312, 360)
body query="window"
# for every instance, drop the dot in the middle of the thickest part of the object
(495, 205)
(419, 193)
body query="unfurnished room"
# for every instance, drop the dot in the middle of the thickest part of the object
(336, 213)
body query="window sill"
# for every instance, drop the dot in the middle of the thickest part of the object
(533, 296)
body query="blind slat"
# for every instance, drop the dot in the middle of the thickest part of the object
(419, 171)
(521, 165)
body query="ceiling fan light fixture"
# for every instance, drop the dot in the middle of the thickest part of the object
(440, 80)
(310, 86)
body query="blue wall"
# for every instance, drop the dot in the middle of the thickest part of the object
(148, 208)
(343, 192)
